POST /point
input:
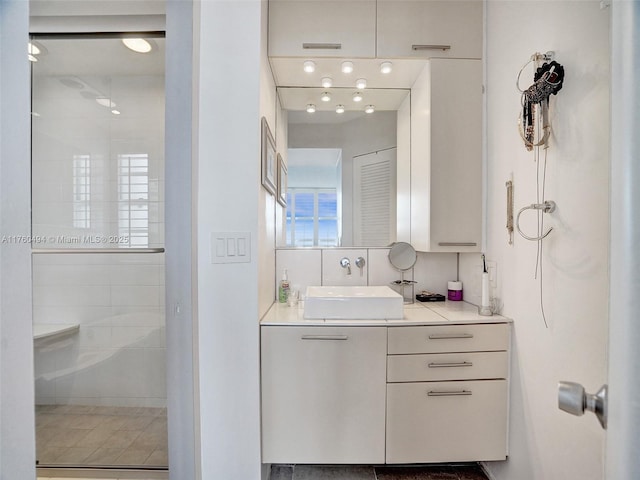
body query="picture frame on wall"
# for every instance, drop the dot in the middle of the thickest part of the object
(269, 161)
(282, 182)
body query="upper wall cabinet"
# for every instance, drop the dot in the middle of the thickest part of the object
(429, 28)
(321, 28)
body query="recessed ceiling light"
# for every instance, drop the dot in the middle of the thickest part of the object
(32, 58)
(339, 108)
(385, 67)
(139, 45)
(309, 66)
(105, 102)
(361, 83)
(325, 97)
(115, 112)
(327, 82)
(369, 109)
(311, 108)
(347, 67)
(357, 97)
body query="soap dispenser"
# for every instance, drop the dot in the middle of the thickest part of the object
(283, 291)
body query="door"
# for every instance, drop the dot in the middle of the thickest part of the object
(374, 198)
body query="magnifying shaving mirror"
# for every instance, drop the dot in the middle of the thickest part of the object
(403, 257)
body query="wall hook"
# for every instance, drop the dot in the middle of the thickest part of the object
(548, 206)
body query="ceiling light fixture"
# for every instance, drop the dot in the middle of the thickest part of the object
(327, 82)
(115, 112)
(311, 108)
(347, 67)
(309, 66)
(361, 83)
(33, 49)
(340, 108)
(385, 67)
(369, 109)
(32, 58)
(357, 97)
(325, 97)
(138, 45)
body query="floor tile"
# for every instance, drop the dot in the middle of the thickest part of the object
(74, 455)
(122, 438)
(134, 456)
(332, 472)
(282, 472)
(430, 472)
(104, 456)
(67, 437)
(159, 456)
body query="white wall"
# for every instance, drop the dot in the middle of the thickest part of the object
(230, 36)
(546, 443)
(17, 426)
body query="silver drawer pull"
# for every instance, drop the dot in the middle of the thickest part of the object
(454, 393)
(457, 244)
(324, 337)
(449, 336)
(430, 47)
(451, 364)
(322, 46)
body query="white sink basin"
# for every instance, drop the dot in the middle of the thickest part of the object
(357, 302)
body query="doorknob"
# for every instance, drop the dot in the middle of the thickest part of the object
(574, 400)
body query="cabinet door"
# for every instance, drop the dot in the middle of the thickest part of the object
(320, 28)
(323, 394)
(446, 421)
(430, 28)
(446, 157)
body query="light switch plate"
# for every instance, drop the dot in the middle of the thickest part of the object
(230, 247)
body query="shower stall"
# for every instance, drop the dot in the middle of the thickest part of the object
(98, 104)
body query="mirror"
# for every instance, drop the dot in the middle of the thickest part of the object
(342, 167)
(402, 256)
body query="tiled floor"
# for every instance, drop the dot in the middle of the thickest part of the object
(107, 436)
(428, 472)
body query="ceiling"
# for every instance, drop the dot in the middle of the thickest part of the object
(297, 99)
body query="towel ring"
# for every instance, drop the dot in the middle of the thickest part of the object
(548, 206)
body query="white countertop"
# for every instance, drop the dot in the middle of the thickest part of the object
(428, 313)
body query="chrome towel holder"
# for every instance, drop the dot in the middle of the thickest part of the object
(548, 206)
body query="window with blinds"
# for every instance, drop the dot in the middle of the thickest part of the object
(312, 217)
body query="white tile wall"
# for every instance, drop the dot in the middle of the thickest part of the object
(118, 355)
(321, 267)
(334, 274)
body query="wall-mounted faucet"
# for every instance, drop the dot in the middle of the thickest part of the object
(360, 263)
(345, 263)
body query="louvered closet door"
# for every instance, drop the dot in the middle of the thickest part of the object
(374, 198)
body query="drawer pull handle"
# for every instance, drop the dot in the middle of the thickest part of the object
(457, 244)
(449, 336)
(324, 337)
(430, 47)
(451, 364)
(454, 393)
(322, 46)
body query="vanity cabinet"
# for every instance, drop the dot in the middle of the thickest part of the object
(446, 157)
(323, 394)
(373, 395)
(447, 393)
(322, 28)
(432, 28)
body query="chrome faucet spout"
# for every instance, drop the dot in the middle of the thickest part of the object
(345, 263)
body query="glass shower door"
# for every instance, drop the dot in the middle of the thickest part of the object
(98, 261)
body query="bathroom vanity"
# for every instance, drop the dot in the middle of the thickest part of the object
(430, 387)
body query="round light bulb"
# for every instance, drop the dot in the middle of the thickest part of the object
(115, 112)
(139, 45)
(357, 97)
(369, 109)
(311, 108)
(32, 58)
(340, 108)
(325, 97)
(309, 66)
(33, 49)
(361, 83)
(385, 67)
(347, 67)
(327, 82)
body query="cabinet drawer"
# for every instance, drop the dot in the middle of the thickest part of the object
(448, 338)
(447, 366)
(446, 421)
